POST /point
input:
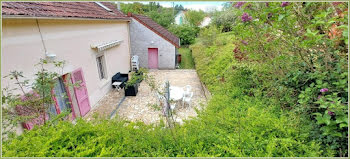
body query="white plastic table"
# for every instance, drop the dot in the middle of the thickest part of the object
(117, 85)
(176, 93)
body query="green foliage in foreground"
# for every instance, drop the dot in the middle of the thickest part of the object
(247, 128)
(186, 58)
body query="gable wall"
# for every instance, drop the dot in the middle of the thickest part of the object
(142, 38)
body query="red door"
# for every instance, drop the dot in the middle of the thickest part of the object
(153, 58)
(81, 91)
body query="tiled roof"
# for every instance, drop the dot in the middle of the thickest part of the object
(158, 29)
(89, 10)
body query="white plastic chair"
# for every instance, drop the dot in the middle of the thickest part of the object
(187, 98)
(187, 88)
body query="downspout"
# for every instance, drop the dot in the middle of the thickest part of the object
(41, 36)
(129, 42)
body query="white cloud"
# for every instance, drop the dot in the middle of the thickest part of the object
(204, 7)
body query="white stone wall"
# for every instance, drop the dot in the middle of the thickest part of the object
(142, 38)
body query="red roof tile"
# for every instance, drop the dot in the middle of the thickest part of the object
(62, 9)
(158, 29)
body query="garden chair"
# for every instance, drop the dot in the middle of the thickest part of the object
(187, 98)
(187, 88)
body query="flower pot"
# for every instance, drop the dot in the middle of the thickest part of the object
(131, 90)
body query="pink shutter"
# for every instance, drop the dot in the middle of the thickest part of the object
(81, 93)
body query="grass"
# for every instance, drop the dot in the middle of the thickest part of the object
(186, 59)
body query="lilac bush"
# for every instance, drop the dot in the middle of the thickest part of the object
(239, 4)
(284, 4)
(246, 17)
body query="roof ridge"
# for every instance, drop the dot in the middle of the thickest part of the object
(163, 32)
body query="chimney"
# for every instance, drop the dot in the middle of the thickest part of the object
(129, 14)
(118, 6)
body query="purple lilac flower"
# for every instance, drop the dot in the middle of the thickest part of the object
(336, 3)
(244, 42)
(267, 4)
(246, 17)
(239, 4)
(324, 90)
(331, 113)
(284, 4)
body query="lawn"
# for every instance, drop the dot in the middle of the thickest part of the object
(186, 59)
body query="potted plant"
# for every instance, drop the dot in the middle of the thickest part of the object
(131, 87)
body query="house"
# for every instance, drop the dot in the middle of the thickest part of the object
(180, 18)
(206, 21)
(155, 46)
(91, 37)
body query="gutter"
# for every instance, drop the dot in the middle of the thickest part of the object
(60, 18)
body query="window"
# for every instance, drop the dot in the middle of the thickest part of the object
(101, 66)
(61, 95)
(61, 101)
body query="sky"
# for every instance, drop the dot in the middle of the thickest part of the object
(205, 6)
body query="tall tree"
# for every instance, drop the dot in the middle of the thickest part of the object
(195, 17)
(162, 15)
(178, 8)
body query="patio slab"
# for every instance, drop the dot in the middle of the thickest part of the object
(139, 108)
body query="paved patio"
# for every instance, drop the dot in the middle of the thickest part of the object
(140, 108)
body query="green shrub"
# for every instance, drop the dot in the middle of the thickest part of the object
(186, 59)
(186, 33)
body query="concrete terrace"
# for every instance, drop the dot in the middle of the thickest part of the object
(140, 108)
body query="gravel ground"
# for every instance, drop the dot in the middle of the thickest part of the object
(139, 108)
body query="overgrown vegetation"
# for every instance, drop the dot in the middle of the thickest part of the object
(186, 59)
(162, 15)
(186, 33)
(279, 82)
(293, 56)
